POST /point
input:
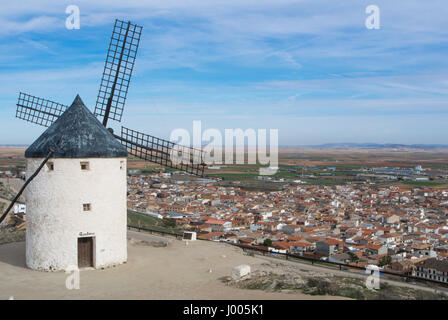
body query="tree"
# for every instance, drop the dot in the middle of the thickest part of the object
(267, 243)
(386, 260)
(353, 257)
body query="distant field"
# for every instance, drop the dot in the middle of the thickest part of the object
(290, 162)
(354, 158)
(426, 184)
(12, 157)
(348, 159)
(12, 152)
(254, 185)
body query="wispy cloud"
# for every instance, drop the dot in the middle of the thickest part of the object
(261, 61)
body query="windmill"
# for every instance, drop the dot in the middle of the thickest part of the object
(110, 104)
(76, 206)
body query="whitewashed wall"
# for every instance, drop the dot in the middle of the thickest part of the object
(55, 217)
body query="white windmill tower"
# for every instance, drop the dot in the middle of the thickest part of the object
(76, 206)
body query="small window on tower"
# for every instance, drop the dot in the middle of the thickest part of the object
(50, 166)
(86, 207)
(84, 166)
(121, 165)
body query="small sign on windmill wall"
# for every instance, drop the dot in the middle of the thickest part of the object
(86, 234)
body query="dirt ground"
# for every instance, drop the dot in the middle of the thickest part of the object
(173, 272)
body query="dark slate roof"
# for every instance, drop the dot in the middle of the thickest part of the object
(81, 135)
(433, 263)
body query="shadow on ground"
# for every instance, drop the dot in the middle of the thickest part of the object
(13, 254)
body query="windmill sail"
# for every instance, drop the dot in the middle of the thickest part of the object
(117, 70)
(162, 151)
(110, 104)
(38, 110)
(27, 182)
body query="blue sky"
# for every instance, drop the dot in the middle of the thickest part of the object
(309, 68)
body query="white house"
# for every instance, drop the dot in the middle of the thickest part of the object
(389, 238)
(432, 269)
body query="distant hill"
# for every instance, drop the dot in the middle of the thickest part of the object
(14, 145)
(349, 145)
(341, 145)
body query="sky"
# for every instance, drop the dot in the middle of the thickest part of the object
(309, 68)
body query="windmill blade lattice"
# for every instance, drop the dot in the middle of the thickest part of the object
(38, 110)
(110, 104)
(117, 70)
(162, 151)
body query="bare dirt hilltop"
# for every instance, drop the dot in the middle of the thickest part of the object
(170, 270)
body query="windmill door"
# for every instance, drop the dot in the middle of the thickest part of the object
(85, 252)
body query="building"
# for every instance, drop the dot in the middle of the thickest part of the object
(76, 205)
(328, 247)
(404, 266)
(290, 229)
(432, 269)
(375, 249)
(424, 250)
(341, 258)
(218, 225)
(391, 238)
(299, 247)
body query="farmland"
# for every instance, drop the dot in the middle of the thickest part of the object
(310, 166)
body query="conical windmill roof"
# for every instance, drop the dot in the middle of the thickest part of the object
(81, 135)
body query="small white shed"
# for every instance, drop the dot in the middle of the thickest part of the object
(189, 235)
